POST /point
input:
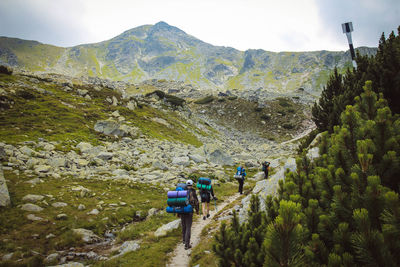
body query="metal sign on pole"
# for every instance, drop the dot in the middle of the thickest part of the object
(347, 29)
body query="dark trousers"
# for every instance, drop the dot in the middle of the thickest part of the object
(241, 186)
(186, 220)
(266, 174)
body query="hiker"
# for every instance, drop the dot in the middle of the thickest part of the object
(187, 218)
(240, 174)
(265, 168)
(205, 196)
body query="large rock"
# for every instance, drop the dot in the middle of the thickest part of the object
(197, 158)
(128, 246)
(26, 151)
(59, 204)
(105, 155)
(87, 235)
(31, 207)
(4, 195)
(215, 154)
(313, 153)
(32, 198)
(111, 127)
(42, 169)
(163, 230)
(84, 147)
(57, 162)
(159, 165)
(184, 161)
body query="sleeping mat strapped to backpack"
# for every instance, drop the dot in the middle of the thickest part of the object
(204, 183)
(178, 201)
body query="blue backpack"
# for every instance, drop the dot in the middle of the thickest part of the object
(178, 200)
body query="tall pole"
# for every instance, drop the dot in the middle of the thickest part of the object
(347, 29)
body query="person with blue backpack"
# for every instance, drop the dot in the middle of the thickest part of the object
(182, 201)
(240, 176)
(187, 218)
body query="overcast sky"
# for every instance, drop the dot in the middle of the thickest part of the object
(281, 25)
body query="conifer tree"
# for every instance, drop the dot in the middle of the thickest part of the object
(285, 237)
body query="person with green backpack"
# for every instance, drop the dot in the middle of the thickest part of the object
(206, 191)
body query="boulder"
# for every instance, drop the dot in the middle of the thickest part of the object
(26, 151)
(105, 155)
(49, 147)
(59, 205)
(109, 127)
(84, 147)
(42, 169)
(313, 153)
(197, 158)
(57, 162)
(52, 258)
(159, 165)
(32, 217)
(4, 195)
(128, 246)
(87, 235)
(32, 198)
(93, 212)
(215, 154)
(183, 161)
(163, 230)
(31, 207)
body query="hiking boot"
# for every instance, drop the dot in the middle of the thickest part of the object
(188, 247)
(208, 215)
(204, 217)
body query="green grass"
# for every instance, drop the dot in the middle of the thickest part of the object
(18, 230)
(46, 115)
(153, 252)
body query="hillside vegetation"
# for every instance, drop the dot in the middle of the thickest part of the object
(340, 208)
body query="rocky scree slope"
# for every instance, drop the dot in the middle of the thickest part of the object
(162, 51)
(84, 154)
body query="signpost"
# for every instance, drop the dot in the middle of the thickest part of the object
(347, 29)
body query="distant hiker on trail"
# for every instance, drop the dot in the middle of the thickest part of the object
(205, 195)
(265, 168)
(187, 218)
(240, 175)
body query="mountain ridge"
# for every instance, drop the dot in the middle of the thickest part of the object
(162, 51)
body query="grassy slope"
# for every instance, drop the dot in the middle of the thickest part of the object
(64, 116)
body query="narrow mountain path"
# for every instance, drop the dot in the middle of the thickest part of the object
(180, 256)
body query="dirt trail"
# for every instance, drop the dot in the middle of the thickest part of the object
(181, 257)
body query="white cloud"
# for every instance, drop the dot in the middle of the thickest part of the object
(284, 25)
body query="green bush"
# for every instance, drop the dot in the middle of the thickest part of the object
(205, 100)
(258, 109)
(232, 97)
